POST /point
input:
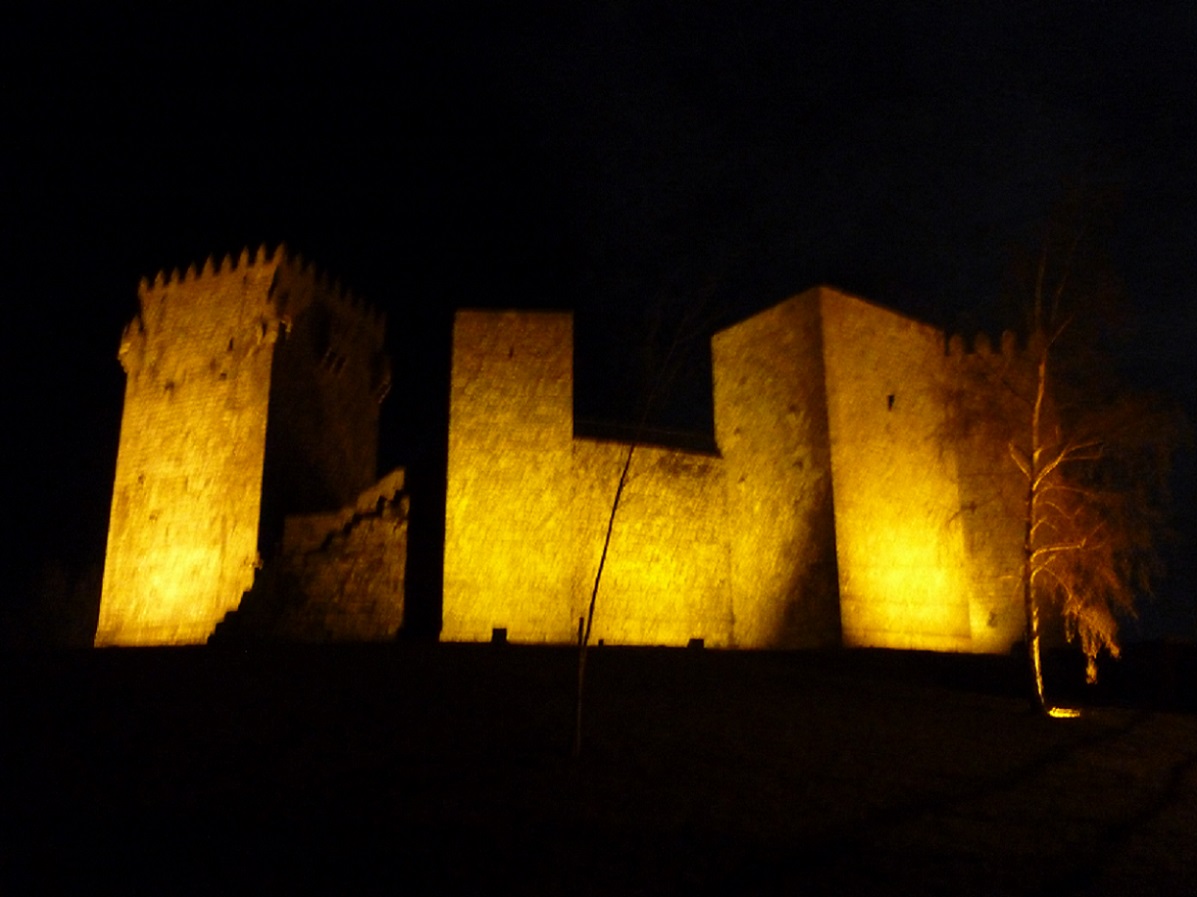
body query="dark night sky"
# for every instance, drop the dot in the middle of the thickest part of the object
(630, 161)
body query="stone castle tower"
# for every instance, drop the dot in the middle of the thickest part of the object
(252, 394)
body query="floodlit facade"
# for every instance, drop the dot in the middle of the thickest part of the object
(834, 510)
(836, 505)
(252, 393)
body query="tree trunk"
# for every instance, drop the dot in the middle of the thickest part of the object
(1034, 654)
(1030, 599)
(584, 639)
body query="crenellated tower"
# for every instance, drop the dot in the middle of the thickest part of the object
(252, 393)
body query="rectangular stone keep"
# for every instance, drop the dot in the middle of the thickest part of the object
(252, 392)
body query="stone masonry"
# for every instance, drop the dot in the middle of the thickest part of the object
(838, 506)
(252, 393)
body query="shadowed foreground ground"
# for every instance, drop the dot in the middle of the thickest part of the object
(443, 769)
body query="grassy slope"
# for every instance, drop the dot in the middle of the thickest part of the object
(443, 769)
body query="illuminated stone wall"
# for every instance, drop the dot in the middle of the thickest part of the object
(339, 576)
(771, 427)
(899, 538)
(509, 519)
(840, 507)
(528, 504)
(666, 578)
(835, 511)
(251, 392)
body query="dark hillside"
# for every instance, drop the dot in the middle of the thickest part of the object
(442, 769)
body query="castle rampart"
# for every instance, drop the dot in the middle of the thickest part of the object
(833, 511)
(853, 496)
(528, 504)
(666, 577)
(509, 517)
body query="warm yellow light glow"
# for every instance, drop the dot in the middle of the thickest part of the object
(898, 537)
(182, 538)
(174, 608)
(832, 512)
(771, 427)
(205, 370)
(665, 580)
(508, 520)
(528, 505)
(1063, 712)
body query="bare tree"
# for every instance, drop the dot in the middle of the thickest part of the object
(1093, 456)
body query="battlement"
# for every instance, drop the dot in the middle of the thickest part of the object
(228, 265)
(981, 346)
(291, 282)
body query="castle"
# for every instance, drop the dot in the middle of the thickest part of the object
(838, 506)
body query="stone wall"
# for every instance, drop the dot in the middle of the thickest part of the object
(899, 539)
(771, 427)
(509, 519)
(667, 575)
(339, 577)
(835, 510)
(528, 506)
(329, 376)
